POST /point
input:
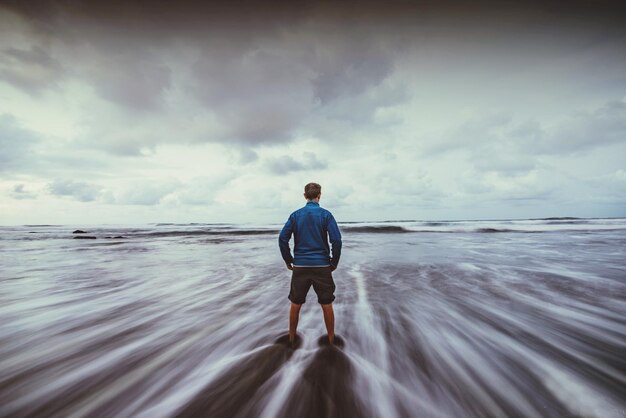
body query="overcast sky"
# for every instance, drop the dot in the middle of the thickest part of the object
(175, 112)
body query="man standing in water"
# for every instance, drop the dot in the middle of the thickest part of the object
(313, 261)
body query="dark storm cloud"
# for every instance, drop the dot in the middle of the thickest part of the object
(31, 70)
(264, 89)
(352, 67)
(191, 14)
(131, 81)
(259, 96)
(265, 71)
(260, 70)
(16, 145)
(81, 191)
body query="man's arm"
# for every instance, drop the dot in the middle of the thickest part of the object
(335, 241)
(283, 242)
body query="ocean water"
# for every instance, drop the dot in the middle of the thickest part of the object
(520, 318)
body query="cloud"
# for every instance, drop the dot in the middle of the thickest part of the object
(146, 192)
(247, 156)
(351, 66)
(203, 190)
(404, 186)
(473, 132)
(16, 145)
(286, 164)
(537, 185)
(268, 90)
(620, 176)
(137, 81)
(24, 151)
(260, 93)
(583, 131)
(32, 70)
(177, 106)
(489, 143)
(500, 144)
(580, 131)
(19, 192)
(81, 191)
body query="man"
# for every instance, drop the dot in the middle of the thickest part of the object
(312, 227)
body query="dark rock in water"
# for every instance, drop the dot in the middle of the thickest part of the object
(79, 231)
(85, 237)
(116, 237)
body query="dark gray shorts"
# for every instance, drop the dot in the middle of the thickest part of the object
(320, 277)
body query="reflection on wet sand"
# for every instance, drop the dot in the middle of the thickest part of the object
(236, 392)
(325, 388)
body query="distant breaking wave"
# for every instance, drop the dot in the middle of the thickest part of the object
(216, 232)
(557, 218)
(491, 230)
(566, 222)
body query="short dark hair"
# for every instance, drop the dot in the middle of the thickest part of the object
(312, 190)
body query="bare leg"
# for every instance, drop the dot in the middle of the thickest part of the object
(329, 319)
(294, 315)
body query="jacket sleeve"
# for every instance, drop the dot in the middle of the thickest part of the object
(283, 240)
(335, 240)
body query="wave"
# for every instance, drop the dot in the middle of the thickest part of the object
(556, 218)
(181, 233)
(491, 230)
(565, 222)
(236, 232)
(394, 229)
(190, 223)
(379, 229)
(401, 230)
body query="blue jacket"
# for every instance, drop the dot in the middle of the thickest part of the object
(311, 226)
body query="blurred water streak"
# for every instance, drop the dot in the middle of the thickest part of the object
(440, 319)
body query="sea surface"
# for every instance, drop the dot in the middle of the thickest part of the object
(518, 318)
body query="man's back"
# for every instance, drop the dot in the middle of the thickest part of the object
(312, 226)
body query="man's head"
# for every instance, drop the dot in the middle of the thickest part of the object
(312, 191)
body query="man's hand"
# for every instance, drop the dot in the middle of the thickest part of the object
(290, 266)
